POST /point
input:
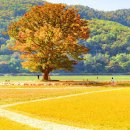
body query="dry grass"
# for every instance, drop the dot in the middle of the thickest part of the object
(6, 124)
(63, 84)
(106, 110)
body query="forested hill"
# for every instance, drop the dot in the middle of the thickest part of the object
(109, 40)
(109, 45)
(108, 37)
(120, 16)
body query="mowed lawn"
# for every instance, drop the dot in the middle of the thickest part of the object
(94, 77)
(6, 124)
(80, 77)
(102, 110)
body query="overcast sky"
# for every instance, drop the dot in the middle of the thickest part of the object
(98, 4)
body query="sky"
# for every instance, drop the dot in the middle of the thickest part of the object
(106, 5)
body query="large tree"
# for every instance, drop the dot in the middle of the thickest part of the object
(47, 38)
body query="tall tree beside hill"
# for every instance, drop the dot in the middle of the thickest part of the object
(47, 38)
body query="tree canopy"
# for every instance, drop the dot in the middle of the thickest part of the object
(47, 38)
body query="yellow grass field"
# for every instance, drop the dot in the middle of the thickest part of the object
(6, 124)
(16, 95)
(103, 110)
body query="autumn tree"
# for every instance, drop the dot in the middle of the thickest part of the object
(47, 38)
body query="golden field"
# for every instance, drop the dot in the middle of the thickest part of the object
(100, 111)
(25, 94)
(6, 124)
(12, 95)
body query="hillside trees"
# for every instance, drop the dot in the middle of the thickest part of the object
(47, 38)
(109, 42)
(108, 37)
(121, 16)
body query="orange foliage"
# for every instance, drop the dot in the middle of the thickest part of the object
(47, 37)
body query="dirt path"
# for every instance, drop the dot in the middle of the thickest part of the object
(35, 123)
(44, 125)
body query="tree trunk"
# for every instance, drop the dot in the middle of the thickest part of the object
(46, 75)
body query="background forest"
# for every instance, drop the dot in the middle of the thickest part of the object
(109, 41)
